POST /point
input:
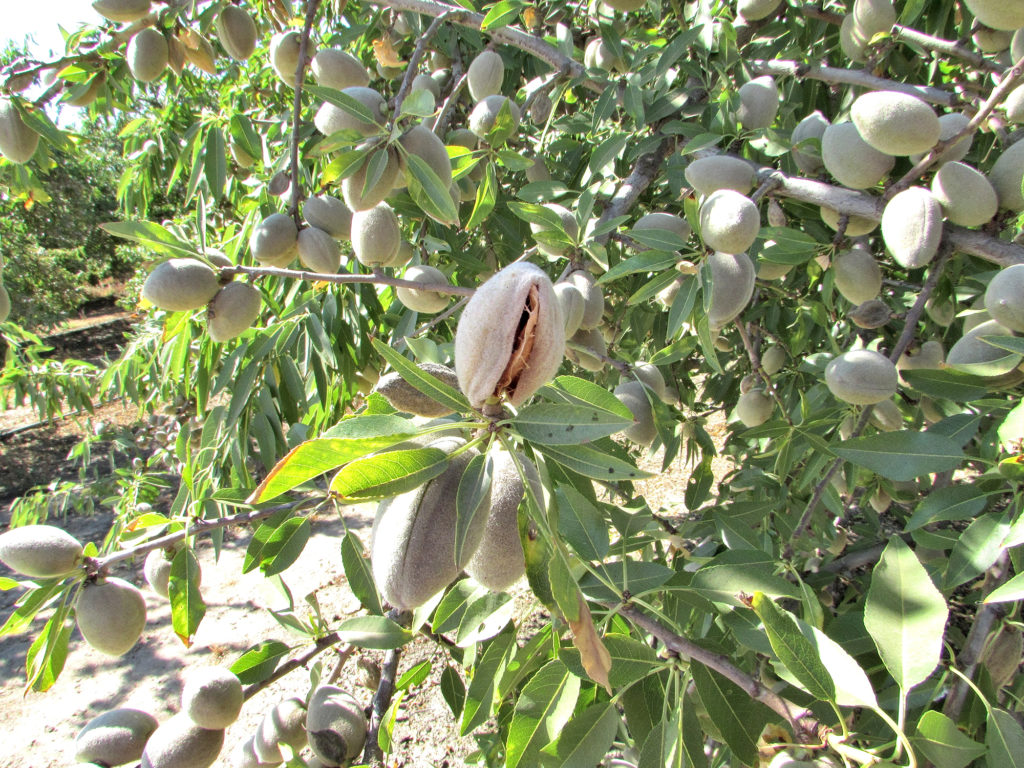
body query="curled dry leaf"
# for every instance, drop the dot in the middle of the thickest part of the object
(386, 54)
(595, 657)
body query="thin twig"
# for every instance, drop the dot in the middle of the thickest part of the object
(417, 55)
(946, 47)
(857, 77)
(755, 363)
(441, 123)
(372, 754)
(321, 645)
(999, 93)
(801, 720)
(312, 6)
(341, 278)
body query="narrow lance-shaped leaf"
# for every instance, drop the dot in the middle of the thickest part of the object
(905, 615)
(472, 499)
(546, 703)
(187, 606)
(794, 650)
(388, 474)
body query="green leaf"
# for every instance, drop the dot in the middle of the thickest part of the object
(453, 690)
(737, 571)
(419, 103)
(259, 662)
(1010, 591)
(501, 15)
(215, 162)
(584, 740)
(359, 574)
(942, 743)
(480, 696)
(28, 605)
(902, 455)
(472, 499)
(486, 197)
(738, 717)
(637, 576)
(533, 213)
(558, 424)
(342, 101)
(581, 524)
(563, 586)
(905, 615)
(244, 136)
(791, 246)
(46, 656)
(151, 235)
(350, 440)
(607, 152)
(632, 660)
(485, 616)
(648, 261)
(1004, 740)
(591, 462)
(954, 502)
(284, 546)
(976, 550)
(429, 193)
(541, 711)
(40, 122)
(571, 389)
(948, 384)
(187, 606)
(453, 605)
(429, 385)
(413, 676)
(388, 474)
(378, 632)
(662, 747)
(794, 650)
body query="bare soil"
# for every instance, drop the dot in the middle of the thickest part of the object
(40, 728)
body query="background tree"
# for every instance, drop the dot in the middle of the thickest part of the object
(698, 187)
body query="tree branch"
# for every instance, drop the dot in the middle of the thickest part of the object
(946, 47)
(312, 6)
(505, 36)
(345, 277)
(800, 720)
(372, 753)
(417, 54)
(856, 77)
(644, 172)
(321, 645)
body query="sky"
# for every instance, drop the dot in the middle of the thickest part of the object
(40, 19)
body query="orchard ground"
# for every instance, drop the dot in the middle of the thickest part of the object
(40, 727)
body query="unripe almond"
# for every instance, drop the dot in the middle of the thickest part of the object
(942, 311)
(147, 55)
(709, 174)
(122, 10)
(886, 416)
(808, 158)
(40, 551)
(912, 227)
(856, 226)
(759, 103)
(991, 40)
(111, 615)
(930, 356)
(771, 270)
(880, 501)
(592, 339)
(633, 395)
(732, 285)
(376, 236)
(412, 549)
(424, 143)
(421, 300)
(874, 16)
(773, 360)
(233, 311)
(729, 221)
(651, 377)
(510, 339)
(857, 275)
(861, 377)
(406, 398)
(569, 224)
(318, 251)
(18, 142)
(755, 10)
(754, 408)
(244, 756)
(850, 159)
(329, 214)
(338, 69)
(212, 697)
(336, 725)
(180, 743)
(331, 119)
(179, 285)
(485, 75)
(424, 82)
(538, 171)
(237, 32)
(593, 297)
(284, 54)
(598, 55)
(973, 355)
(851, 39)
(572, 303)
(285, 723)
(115, 737)
(951, 124)
(199, 52)
(895, 123)
(1004, 297)
(677, 225)
(499, 560)
(1006, 176)
(485, 114)
(966, 196)
(274, 239)
(355, 192)
(870, 314)
(998, 14)
(403, 255)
